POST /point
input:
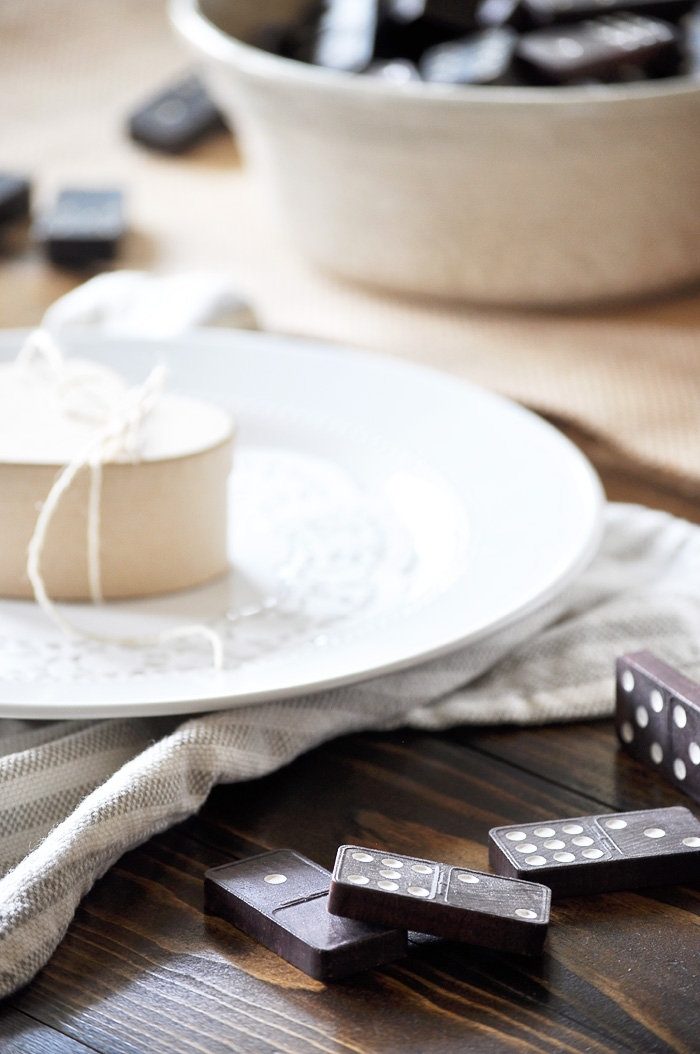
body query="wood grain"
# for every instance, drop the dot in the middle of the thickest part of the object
(584, 757)
(140, 969)
(20, 1034)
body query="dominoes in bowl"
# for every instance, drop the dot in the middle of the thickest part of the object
(440, 899)
(658, 718)
(599, 854)
(279, 899)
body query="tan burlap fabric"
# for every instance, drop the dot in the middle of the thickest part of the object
(70, 71)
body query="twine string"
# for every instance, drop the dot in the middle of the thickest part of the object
(117, 438)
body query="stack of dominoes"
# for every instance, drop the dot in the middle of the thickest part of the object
(332, 926)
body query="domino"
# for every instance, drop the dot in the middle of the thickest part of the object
(14, 197)
(657, 718)
(279, 899)
(606, 47)
(599, 854)
(83, 227)
(439, 899)
(177, 118)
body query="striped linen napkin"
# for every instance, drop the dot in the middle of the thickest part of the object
(75, 795)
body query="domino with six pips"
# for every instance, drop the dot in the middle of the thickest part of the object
(439, 899)
(603, 853)
(657, 717)
(334, 926)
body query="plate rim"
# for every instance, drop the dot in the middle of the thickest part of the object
(213, 699)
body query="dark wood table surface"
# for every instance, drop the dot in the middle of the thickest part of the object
(142, 970)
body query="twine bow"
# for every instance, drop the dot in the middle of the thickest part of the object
(119, 414)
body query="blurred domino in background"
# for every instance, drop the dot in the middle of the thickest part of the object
(177, 118)
(14, 197)
(83, 228)
(623, 44)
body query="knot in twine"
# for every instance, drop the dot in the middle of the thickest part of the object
(90, 392)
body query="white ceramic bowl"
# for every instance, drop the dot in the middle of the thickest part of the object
(507, 195)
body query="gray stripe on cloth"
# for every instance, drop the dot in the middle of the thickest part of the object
(16, 736)
(643, 589)
(41, 811)
(40, 786)
(65, 749)
(24, 828)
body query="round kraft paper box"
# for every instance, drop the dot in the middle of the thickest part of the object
(163, 517)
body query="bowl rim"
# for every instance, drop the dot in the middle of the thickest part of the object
(193, 25)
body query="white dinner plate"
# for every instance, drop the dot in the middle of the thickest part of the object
(381, 514)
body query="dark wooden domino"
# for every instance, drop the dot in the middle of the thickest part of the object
(599, 854)
(177, 118)
(280, 898)
(657, 718)
(440, 899)
(600, 48)
(84, 227)
(14, 197)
